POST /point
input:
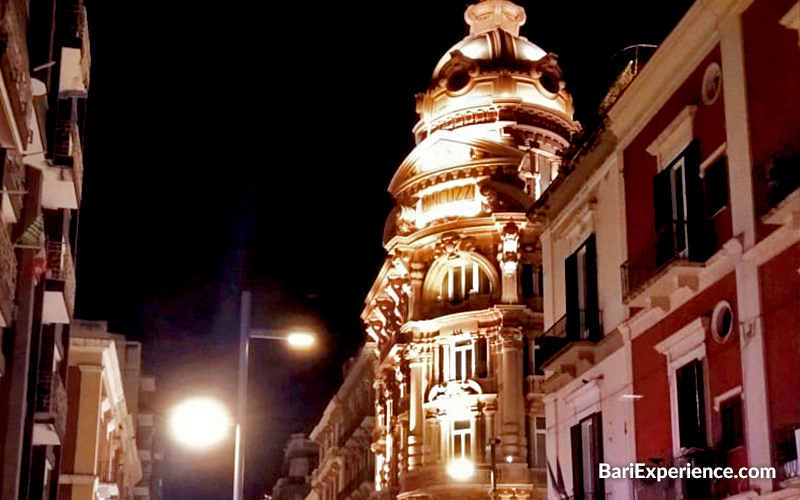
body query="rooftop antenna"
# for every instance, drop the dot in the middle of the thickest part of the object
(635, 48)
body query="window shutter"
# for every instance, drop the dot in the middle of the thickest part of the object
(526, 278)
(571, 281)
(577, 462)
(597, 458)
(691, 405)
(695, 205)
(480, 358)
(662, 205)
(592, 312)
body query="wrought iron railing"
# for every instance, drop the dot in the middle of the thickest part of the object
(62, 268)
(51, 400)
(679, 241)
(8, 274)
(558, 330)
(589, 326)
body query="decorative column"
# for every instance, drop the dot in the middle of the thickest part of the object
(511, 396)
(415, 297)
(508, 256)
(417, 356)
(490, 432)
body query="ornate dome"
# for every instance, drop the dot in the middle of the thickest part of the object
(495, 46)
(492, 70)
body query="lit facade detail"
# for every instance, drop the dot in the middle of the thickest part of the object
(455, 307)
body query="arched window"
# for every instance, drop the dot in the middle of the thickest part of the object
(463, 277)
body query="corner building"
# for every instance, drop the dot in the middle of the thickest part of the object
(458, 300)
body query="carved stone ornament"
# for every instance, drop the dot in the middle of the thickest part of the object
(509, 254)
(451, 244)
(549, 73)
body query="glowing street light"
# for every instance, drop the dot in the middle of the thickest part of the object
(297, 340)
(199, 422)
(462, 469)
(202, 422)
(301, 340)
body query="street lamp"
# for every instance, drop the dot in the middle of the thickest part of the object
(462, 469)
(295, 340)
(199, 422)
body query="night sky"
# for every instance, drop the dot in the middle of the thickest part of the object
(248, 145)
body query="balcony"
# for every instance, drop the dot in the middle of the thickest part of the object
(8, 278)
(59, 295)
(15, 94)
(676, 260)
(50, 419)
(688, 488)
(788, 455)
(63, 181)
(436, 476)
(76, 53)
(443, 307)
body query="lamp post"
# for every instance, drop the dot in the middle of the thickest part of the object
(296, 340)
(463, 469)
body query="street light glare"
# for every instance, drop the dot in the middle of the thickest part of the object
(199, 422)
(301, 340)
(460, 469)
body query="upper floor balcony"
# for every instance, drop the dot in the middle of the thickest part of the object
(435, 477)
(443, 306)
(50, 419)
(75, 51)
(59, 295)
(64, 180)
(8, 277)
(15, 85)
(787, 459)
(674, 262)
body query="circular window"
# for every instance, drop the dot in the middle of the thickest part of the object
(458, 81)
(722, 322)
(712, 83)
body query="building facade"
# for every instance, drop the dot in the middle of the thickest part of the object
(671, 261)
(458, 301)
(346, 469)
(101, 455)
(299, 459)
(45, 61)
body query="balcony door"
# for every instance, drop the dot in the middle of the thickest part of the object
(679, 209)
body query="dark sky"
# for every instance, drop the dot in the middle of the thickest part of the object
(248, 145)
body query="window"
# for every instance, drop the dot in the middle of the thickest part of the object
(691, 405)
(730, 412)
(462, 360)
(679, 209)
(715, 183)
(531, 281)
(581, 280)
(539, 440)
(587, 454)
(462, 439)
(462, 279)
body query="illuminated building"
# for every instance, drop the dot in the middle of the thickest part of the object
(44, 61)
(101, 459)
(671, 251)
(458, 300)
(299, 458)
(346, 469)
